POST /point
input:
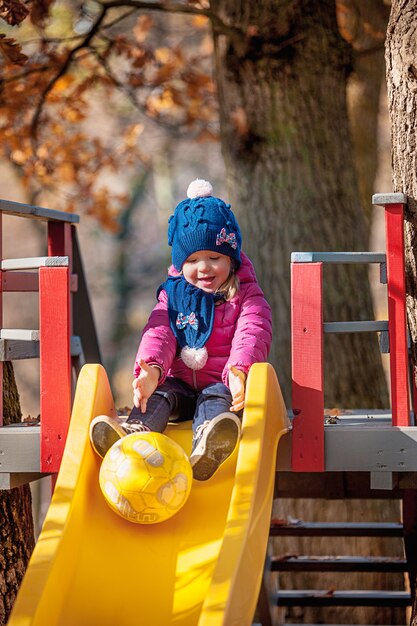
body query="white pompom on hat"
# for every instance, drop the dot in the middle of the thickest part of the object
(199, 188)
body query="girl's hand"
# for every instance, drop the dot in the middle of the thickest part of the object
(145, 384)
(237, 380)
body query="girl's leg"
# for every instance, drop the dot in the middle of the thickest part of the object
(216, 431)
(171, 397)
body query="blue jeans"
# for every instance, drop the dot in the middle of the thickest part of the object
(176, 401)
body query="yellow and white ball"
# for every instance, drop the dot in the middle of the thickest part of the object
(146, 477)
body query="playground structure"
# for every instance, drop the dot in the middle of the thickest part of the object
(194, 574)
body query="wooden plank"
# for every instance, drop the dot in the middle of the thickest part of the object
(355, 327)
(307, 367)
(59, 239)
(16, 281)
(83, 318)
(18, 349)
(20, 334)
(338, 257)
(383, 199)
(409, 514)
(337, 529)
(11, 481)
(55, 364)
(74, 283)
(14, 350)
(338, 564)
(29, 263)
(60, 243)
(20, 281)
(318, 597)
(355, 445)
(394, 226)
(36, 212)
(20, 448)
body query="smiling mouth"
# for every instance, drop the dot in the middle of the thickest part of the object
(206, 281)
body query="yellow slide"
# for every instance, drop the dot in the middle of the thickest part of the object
(202, 567)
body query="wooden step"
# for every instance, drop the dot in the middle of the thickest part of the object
(30, 263)
(338, 257)
(24, 344)
(337, 564)
(337, 529)
(317, 597)
(37, 212)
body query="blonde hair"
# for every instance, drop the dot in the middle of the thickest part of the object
(231, 286)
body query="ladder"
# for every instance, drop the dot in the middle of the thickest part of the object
(353, 457)
(32, 451)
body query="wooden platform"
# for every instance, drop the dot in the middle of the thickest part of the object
(364, 455)
(19, 455)
(364, 441)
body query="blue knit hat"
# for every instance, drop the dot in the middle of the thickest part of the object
(203, 222)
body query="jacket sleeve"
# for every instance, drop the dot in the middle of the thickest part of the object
(253, 335)
(158, 344)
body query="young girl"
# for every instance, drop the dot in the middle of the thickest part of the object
(211, 323)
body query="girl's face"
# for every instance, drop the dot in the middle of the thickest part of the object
(207, 270)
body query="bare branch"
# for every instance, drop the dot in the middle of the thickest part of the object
(173, 7)
(119, 19)
(63, 69)
(169, 7)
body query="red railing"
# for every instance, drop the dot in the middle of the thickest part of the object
(52, 278)
(307, 329)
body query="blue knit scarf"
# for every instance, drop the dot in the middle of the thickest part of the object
(190, 311)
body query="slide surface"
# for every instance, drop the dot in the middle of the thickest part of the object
(202, 567)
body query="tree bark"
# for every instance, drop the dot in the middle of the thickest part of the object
(365, 24)
(281, 74)
(401, 67)
(282, 71)
(16, 522)
(401, 62)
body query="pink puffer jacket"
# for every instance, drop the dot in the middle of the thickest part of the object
(241, 335)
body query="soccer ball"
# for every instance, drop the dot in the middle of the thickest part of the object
(146, 477)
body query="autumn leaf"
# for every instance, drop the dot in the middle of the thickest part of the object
(132, 134)
(288, 521)
(335, 412)
(332, 412)
(142, 27)
(200, 21)
(12, 50)
(13, 11)
(65, 159)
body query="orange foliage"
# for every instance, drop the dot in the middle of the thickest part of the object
(49, 87)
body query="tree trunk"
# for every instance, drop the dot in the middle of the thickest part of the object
(281, 73)
(401, 62)
(16, 522)
(365, 24)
